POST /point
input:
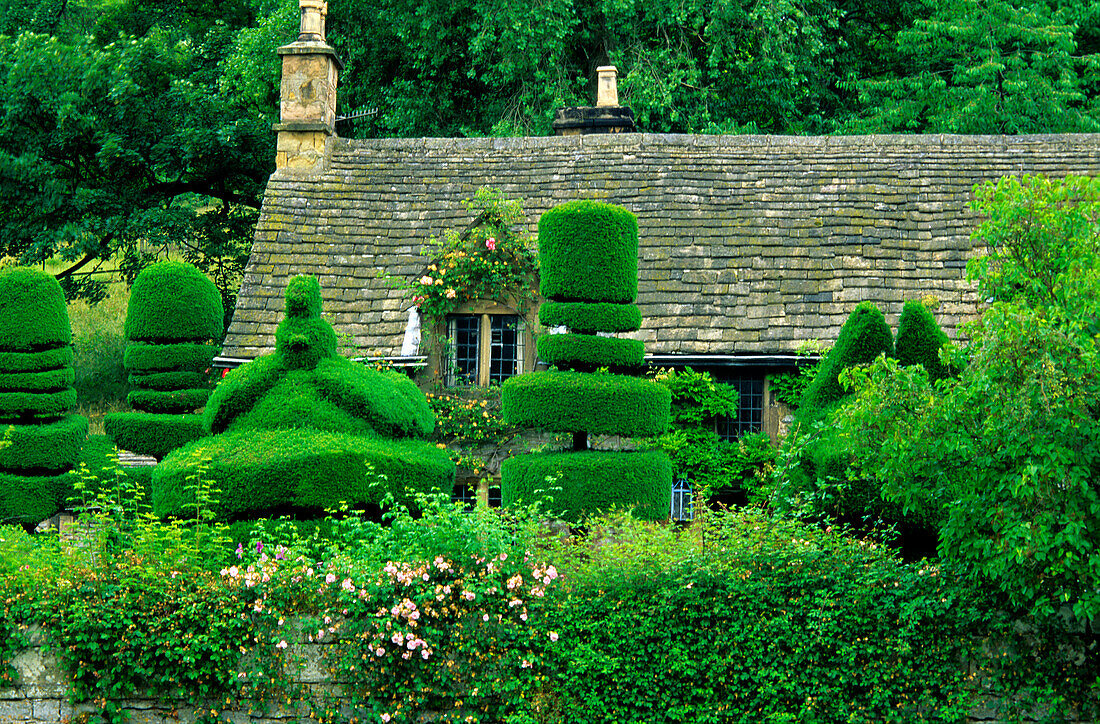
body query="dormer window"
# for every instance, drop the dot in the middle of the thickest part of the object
(484, 349)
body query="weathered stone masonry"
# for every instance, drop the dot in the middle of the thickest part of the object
(749, 244)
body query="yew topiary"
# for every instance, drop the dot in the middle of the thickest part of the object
(40, 438)
(588, 256)
(920, 339)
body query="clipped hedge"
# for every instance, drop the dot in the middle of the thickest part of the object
(46, 359)
(591, 317)
(172, 301)
(864, 336)
(52, 447)
(29, 499)
(17, 406)
(590, 350)
(258, 471)
(141, 357)
(172, 380)
(919, 340)
(167, 401)
(152, 434)
(607, 404)
(588, 251)
(591, 482)
(45, 381)
(33, 308)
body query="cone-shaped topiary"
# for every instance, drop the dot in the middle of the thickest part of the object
(40, 440)
(304, 429)
(588, 255)
(173, 322)
(920, 339)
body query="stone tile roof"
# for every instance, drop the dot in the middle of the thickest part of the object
(748, 244)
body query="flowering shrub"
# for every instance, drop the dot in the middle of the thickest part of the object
(492, 259)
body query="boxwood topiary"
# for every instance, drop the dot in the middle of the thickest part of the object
(48, 448)
(864, 336)
(591, 316)
(575, 485)
(30, 499)
(153, 434)
(171, 301)
(141, 357)
(42, 381)
(32, 306)
(607, 404)
(47, 359)
(920, 339)
(590, 351)
(588, 251)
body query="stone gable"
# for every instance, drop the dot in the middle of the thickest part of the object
(748, 244)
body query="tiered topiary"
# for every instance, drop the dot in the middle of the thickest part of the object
(173, 324)
(303, 429)
(588, 254)
(40, 440)
(920, 339)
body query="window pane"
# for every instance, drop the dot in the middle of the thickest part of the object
(506, 347)
(462, 332)
(682, 502)
(465, 494)
(750, 409)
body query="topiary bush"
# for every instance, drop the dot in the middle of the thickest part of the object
(306, 430)
(588, 256)
(173, 325)
(920, 339)
(40, 440)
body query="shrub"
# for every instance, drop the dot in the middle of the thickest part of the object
(589, 351)
(590, 317)
(920, 339)
(152, 434)
(588, 251)
(172, 302)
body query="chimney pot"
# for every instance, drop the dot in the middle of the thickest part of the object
(313, 20)
(607, 91)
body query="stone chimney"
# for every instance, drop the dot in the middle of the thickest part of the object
(307, 94)
(607, 116)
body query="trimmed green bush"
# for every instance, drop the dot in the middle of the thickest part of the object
(920, 339)
(30, 499)
(864, 336)
(33, 308)
(606, 404)
(590, 350)
(18, 407)
(52, 447)
(259, 471)
(156, 435)
(172, 380)
(591, 317)
(44, 381)
(588, 251)
(141, 357)
(575, 485)
(47, 359)
(172, 301)
(167, 401)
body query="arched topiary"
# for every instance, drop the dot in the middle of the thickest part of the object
(920, 339)
(304, 429)
(173, 324)
(588, 255)
(40, 440)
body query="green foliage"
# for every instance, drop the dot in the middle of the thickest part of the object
(45, 381)
(588, 251)
(697, 400)
(32, 306)
(30, 499)
(863, 337)
(167, 402)
(143, 357)
(491, 259)
(152, 434)
(575, 485)
(601, 403)
(29, 407)
(172, 380)
(589, 351)
(589, 317)
(46, 359)
(920, 339)
(48, 448)
(173, 302)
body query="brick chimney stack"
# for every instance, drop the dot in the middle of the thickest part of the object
(307, 93)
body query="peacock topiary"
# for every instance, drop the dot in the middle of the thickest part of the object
(173, 325)
(303, 429)
(40, 438)
(588, 255)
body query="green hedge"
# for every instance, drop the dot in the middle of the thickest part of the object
(15, 406)
(590, 482)
(152, 434)
(47, 359)
(241, 389)
(171, 301)
(45, 381)
(591, 316)
(920, 339)
(33, 308)
(304, 342)
(588, 251)
(30, 499)
(142, 357)
(52, 447)
(578, 402)
(173, 380)
(590, 350)
(172, 401)
(864, 336)
(260, 471)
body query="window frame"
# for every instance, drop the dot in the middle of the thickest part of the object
(484, 375)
